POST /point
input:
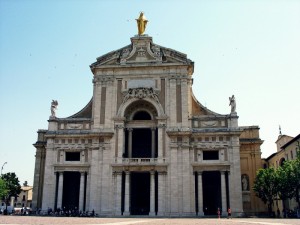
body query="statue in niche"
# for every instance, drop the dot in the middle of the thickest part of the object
(53, 108)
(141, 23)
(245, 182)
(232, 103)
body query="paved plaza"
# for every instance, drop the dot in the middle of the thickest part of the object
(34, 220)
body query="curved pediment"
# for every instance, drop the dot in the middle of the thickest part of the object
(142, 51)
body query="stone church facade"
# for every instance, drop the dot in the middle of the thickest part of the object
(144, 145)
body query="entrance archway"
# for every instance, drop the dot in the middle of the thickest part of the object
(141, 139)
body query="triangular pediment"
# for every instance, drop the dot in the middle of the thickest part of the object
(141, 51)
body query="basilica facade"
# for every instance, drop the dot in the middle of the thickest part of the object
(144, 145)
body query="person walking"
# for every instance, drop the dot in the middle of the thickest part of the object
(229, 213)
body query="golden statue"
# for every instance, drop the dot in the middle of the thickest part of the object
(141, 23)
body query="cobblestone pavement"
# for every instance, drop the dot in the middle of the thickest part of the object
(35, 220)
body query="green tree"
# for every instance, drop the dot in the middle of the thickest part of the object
(265, 186)
(12, 184)
(3, 189)
(284, 186)
(294, 178)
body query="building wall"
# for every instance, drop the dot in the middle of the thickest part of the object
(250, 163)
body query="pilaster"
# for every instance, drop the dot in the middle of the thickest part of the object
(161, 194)
(118, 192)
(172, 101)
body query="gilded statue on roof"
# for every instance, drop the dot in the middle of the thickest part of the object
(141, 23)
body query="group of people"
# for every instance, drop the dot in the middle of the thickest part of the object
(66, 212)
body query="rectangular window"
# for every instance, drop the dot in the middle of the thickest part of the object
(210, 155)
(292, 156)
(72, 156)
(23, 198)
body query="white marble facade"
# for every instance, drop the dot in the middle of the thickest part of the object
(143, 145)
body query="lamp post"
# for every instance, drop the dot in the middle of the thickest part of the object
(3, 166)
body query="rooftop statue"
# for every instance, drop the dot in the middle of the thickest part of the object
(53, 108)
(232, 103)
(141, 23)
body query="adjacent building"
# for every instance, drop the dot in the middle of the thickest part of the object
(24, 199)
(287, 149)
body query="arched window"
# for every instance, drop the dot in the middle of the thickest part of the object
(141, 135)
(141, 115)
(281, 162)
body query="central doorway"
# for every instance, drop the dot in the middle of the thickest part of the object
(140, 193)
(71, 185)
(211, 192)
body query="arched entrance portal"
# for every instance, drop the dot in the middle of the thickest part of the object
(141, 141)
(141, 130)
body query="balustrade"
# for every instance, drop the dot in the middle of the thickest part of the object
(140, 160)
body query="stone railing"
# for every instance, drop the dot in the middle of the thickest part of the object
(143, 161)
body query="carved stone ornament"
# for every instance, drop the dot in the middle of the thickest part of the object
(142, 50)
(140, 93)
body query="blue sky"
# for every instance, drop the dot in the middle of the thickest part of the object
(247, 48)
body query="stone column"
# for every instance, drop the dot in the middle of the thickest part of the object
(161, 193)
(152, 193)
(130, 142)
(60, 189)
(152, 142)
(223, 193)
(127, 194)
(200, 194)
(81, 191)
